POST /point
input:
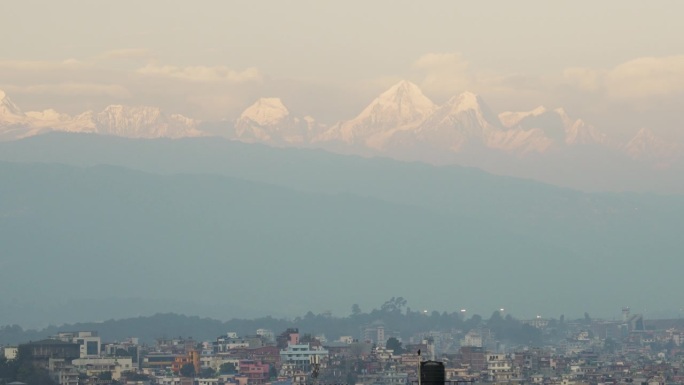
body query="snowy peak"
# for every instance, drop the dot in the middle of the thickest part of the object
(401, 107)
(645, 135)
(470, 106)
(141, 122)
(646, 145)
(266, 112)
(464, 102)
(584, 134)
(126, 117)
(401, 104)
(268, 120)
(511, 119)
(7, 107)
(473, 123)
(555, 124)
(466, 113)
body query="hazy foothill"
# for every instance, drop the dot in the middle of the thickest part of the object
(128, 217)
(130, 200)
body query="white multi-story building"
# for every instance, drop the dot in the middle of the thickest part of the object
(301, 355)
(96, 365)
(472, 338)
(62, 372)
(167, 380)
(206, 381)
(346, 339)
(499, 367)
(90, 342)
(267, 334)
(538, 322)
(11, 352)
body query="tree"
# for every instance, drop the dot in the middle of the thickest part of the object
(473, 322)
(393, 305)
(272, 372)
(107, 376)
(356, 309)
(188, 370)
(351, 378)
(208, 373)
(23, 370)
(227, 368)
(496, 322)
(307, 339)
(394, 345)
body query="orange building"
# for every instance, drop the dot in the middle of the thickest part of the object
(192, 357)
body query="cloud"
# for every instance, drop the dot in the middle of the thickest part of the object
(73, 89)
(442, 62)
(29, 65)
(445, 73)
(125, 53)
(641, 78)
(448, 74)
(203, 73)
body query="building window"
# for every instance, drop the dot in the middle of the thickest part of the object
(91, 348)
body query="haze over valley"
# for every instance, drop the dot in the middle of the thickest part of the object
(250, 159)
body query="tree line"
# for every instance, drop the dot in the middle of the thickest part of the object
(394, 314)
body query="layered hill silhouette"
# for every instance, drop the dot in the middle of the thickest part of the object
(243, 226)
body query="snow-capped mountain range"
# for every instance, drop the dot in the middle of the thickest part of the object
(401, 122)
(126, 121)
(404, 123)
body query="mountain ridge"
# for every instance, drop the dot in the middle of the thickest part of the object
(401, 123)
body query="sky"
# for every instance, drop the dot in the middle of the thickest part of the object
(617, 64)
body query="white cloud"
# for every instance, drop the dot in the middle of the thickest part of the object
(448, 74)
(31, 65)
(637, 79)
(445, 73)
(125, 53)
(203, 73)
(73, 89)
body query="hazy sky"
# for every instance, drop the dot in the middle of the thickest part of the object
(617, 64)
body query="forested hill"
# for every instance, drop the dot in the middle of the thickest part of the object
(391, 314)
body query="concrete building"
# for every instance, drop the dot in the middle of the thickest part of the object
(256, 372)
(89, 342)
(193, 357)
(63, 372)
(41, 351)
(499, 367)
(267, 334)
(10, 352)
(473, 338)
(300, 355)
(374, 332)
(93, 366)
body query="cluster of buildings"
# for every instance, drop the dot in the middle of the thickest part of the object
(626, 352)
